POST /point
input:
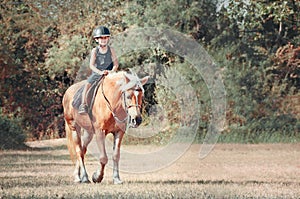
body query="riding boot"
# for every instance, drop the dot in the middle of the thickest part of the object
(83, 108)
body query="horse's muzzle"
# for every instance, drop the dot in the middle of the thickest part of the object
(135, 122)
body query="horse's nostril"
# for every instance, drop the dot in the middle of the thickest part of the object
(139, 120)
(133, 121)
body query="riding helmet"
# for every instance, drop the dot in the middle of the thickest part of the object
(101, 31)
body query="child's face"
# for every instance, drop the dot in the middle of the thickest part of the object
(103, 40)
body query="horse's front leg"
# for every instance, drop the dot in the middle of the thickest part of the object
(100, 139)
(80, 173)
(116, 157)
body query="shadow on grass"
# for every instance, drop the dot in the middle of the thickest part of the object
(34, 181)
(24, 147)
(31, 158)
(213, 182)
(47, 148)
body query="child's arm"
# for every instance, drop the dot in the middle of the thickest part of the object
(114, 59)
(92, 62)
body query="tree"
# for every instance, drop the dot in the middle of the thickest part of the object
(45, 43)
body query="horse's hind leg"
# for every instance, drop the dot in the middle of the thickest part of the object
(80, 173)
(86, 139)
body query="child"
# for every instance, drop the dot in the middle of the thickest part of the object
(103, 59)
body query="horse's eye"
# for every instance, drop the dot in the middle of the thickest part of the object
(128, 96)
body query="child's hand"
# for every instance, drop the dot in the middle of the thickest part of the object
(105, 72)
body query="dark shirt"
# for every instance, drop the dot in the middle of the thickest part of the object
(104, 61)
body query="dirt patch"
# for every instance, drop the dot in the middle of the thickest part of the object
(230, 170)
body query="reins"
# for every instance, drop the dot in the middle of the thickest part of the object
(110, 107)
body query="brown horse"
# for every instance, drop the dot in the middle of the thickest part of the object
(117, 106)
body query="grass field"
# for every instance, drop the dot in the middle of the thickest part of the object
(229, 171)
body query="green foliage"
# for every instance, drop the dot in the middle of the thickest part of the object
(272, 129)
(192, 17)
(11, 133)
(259, 68)
(43, 44)
(66, 55)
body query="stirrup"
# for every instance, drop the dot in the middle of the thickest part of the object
(83, 109)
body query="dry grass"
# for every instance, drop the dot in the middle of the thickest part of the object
(229, 171)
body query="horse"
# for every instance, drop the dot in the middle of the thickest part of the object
(117, 106)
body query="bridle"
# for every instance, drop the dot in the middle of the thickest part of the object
(136, 91)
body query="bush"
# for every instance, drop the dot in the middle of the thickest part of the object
(271, 129)
(12, 135)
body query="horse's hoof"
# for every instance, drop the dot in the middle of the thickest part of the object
(77, 179)
(117, 181)
(96, 178)
(85, 180)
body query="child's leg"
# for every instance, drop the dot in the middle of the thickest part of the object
(83, 108)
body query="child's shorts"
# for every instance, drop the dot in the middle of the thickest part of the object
(94, 77)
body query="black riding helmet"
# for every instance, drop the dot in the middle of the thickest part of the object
(101, 31)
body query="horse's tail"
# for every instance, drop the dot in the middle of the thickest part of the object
(71, 146)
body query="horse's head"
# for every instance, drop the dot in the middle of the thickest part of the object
(133, 92)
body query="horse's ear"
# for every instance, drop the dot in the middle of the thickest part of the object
(144, 80)
(127, 79)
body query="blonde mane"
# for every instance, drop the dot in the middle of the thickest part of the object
(134, 80)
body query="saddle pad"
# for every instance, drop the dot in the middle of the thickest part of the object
(77, 98)
(91, 93)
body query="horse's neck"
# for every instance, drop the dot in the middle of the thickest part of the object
(112, 92)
